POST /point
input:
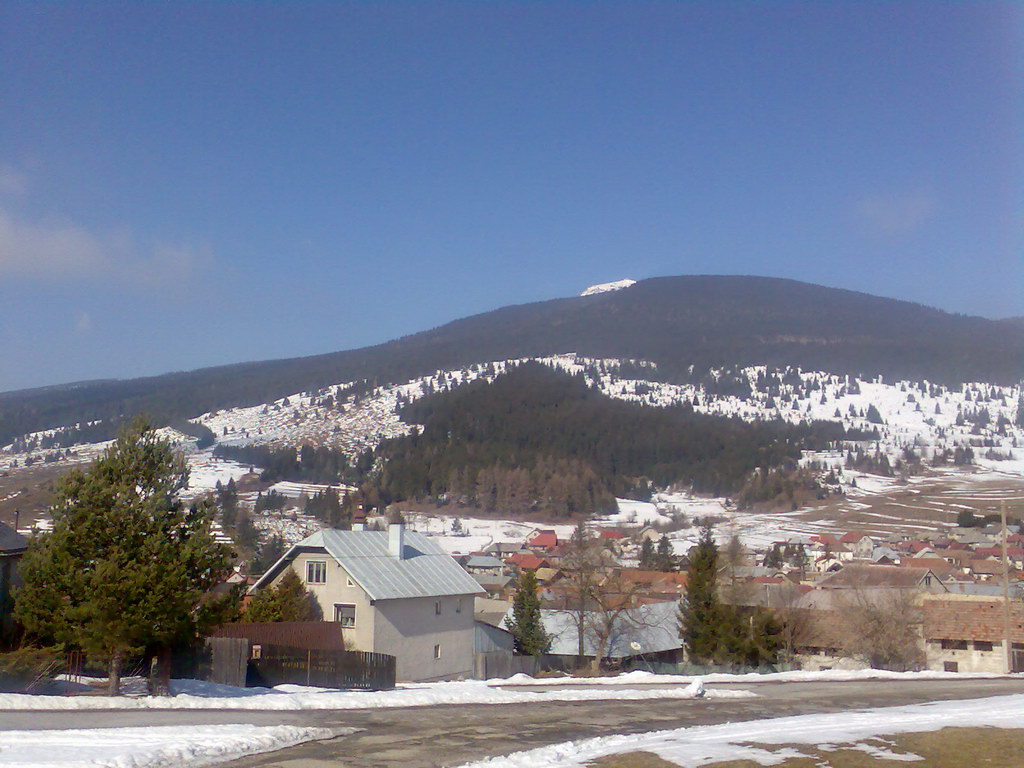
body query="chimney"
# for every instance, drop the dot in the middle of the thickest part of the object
(359, 519)
(396, 540)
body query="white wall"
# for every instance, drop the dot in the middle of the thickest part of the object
(410, 628)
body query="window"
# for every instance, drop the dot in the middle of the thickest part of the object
(458, 605)
(316, 572)
(950, 666)
(437, 608)
(954, 645)
(349, 582)
(345, 614)
(437, 651)
(982, 645)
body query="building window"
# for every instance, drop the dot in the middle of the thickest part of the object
(950, 666)
(345, 614)
(350, 582)
(437, 608)
(982, 645)
(437, 651)
(954, 645)
(458, 605)
(316, 572)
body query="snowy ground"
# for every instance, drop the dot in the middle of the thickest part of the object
(148, 747)
(701, 745)
(639, 677)
(191, 694)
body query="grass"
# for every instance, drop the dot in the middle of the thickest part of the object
(948, 748)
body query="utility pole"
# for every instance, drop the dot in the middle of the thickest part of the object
(1007, 644)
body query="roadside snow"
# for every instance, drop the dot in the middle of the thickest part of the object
(193, 695)
(639, 677)
(691, 747)
(148, 747)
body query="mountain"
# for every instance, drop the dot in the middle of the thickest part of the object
(684, 325)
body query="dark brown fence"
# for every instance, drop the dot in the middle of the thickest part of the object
(277, 664)
(311, 635)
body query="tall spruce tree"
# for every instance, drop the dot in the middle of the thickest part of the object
(525, 624)
(664, 558)
(700, 610)
(126, 568)
(647, 557)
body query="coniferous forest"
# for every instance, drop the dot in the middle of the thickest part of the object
(541, 440)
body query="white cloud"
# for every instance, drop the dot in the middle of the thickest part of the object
(67, 252)
(896, 215)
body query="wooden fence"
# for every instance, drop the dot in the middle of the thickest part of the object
(491, 664)
(272, 665)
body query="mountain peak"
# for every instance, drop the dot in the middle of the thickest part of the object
(618, 285)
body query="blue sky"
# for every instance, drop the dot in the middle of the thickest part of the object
(187, 184)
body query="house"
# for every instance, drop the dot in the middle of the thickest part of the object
(858, 576)
(647, 633)
(12, 547)
(526, 561)
(393, 592)
(966, 633)
(859, 544)
(483, 564)
(543, 541)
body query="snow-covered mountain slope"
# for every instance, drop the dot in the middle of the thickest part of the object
(909, 416)
(617, 285)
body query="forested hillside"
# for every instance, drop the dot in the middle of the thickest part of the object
(683, 324)
(539, 439)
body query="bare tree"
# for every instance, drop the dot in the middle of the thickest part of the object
(883, 626)
(796, 621)
(598, 597)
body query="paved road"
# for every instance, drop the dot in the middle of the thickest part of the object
(429, 737)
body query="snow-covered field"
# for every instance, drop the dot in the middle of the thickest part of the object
(701, 745)
(148, 747)
(191, 694)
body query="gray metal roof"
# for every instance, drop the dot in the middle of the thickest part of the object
(425, 570)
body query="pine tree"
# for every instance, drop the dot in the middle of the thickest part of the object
(647, 556)
(664, 559)
(126, 567)
(288, 600)
(525, 624)
(700, 610)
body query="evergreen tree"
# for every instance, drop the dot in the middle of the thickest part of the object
(126, 567)
(700, 610)
(269, 553)
(717, 633)
(647, 555)
(525, 624)
(289, 600)
(664, 559)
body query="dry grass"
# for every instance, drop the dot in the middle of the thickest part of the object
(948, 748)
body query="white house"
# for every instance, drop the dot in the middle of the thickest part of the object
(393, 592)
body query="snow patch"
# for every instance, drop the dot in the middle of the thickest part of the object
(618, 285)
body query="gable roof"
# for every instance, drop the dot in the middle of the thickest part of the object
(426, 570)
(11, 542)
(857, 575)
